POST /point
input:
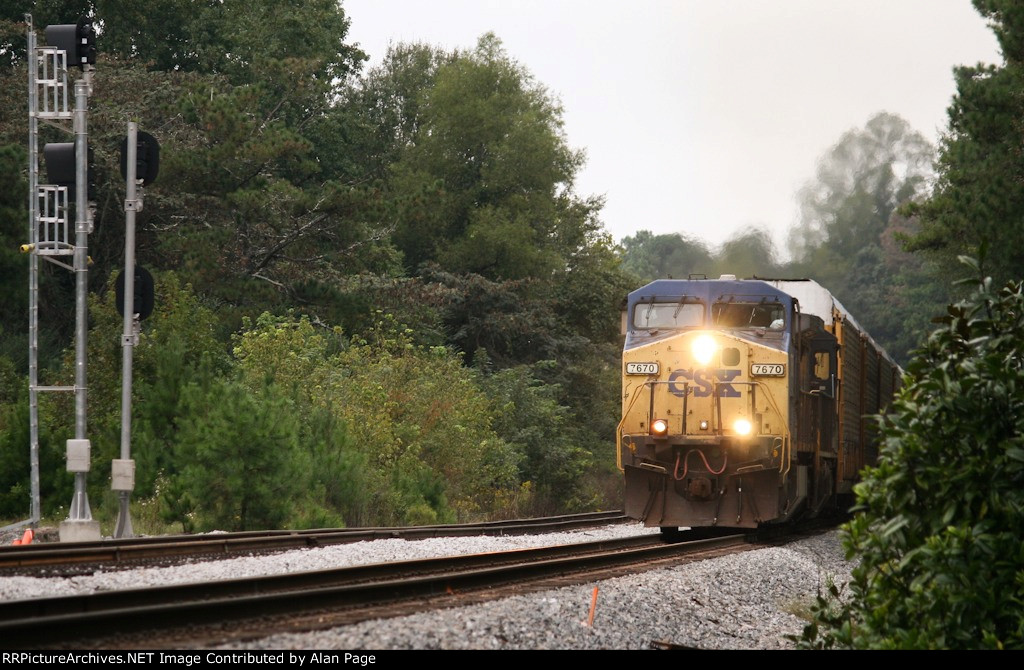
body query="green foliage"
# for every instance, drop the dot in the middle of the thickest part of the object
(849, 233)
(530, 418)
(437, 192)
(418, 414)
(235, 475)
(243, 40)
(13, 233)
(283, 351)
(176, 346)
(406, 434)
(15, 485)
(941, 516)
(15, 499)
(746, 254)
(980, 195)
(480, 163)
(260, 225)
(650, 256)
(861, 181)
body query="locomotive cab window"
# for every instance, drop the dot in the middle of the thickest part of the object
(822, 369)
(745, 315)
(676, 314)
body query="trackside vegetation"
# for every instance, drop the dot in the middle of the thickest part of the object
(940, 520)
(381, 300)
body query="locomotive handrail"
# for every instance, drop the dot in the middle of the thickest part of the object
(650, 412)
(618, 432)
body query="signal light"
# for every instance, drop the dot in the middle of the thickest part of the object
(142, 294)
(147, 158)
(77, 40)
(61, 165)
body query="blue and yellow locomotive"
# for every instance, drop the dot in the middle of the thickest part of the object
(744, 402)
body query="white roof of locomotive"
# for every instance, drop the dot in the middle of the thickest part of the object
(814, 299)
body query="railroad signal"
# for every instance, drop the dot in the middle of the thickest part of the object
(77, 40)
(147, 158)
(61, 166)
(142, 295)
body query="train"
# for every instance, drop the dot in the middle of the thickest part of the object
(745, 402)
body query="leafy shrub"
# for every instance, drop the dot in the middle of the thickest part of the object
(941, 517)
(241, 466)
(406, 430)
(529, 418)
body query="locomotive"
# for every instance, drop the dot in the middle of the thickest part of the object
(745, 402)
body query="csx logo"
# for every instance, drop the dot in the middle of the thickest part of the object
(702, 380)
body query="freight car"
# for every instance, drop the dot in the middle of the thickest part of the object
(744, 402)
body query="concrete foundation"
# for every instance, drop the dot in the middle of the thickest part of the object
(79, 531)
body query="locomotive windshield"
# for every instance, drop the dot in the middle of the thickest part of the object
(676, 314)
(745, 315)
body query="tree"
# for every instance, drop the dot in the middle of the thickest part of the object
(480, 161)
(860, 182)
(236, 475)
(13, 268)
(236, 92)
(940, 518)
(845, 238)
(528, 416)
(247, 41)
(979, 196)
(437, 191)
(747, 254)
(480, 192)
(651, 256)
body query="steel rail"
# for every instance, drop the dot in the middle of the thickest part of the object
(34, 556)
(75, 620)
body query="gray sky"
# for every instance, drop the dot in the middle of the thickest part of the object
(705, 117)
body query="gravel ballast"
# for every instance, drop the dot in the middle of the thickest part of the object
(748, 600)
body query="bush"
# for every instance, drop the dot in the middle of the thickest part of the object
(241, 463)
(940, 520)
(403, 432)
(537, 428)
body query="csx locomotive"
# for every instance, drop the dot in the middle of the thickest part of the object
(744, 402)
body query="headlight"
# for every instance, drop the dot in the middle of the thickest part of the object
(704, 348)
(742, 427)
(659, 428)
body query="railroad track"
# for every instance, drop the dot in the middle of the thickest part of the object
(204, 614)
(84, 557)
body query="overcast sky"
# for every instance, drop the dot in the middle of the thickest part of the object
(705, 117)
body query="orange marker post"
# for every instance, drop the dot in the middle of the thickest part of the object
(593, 606)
